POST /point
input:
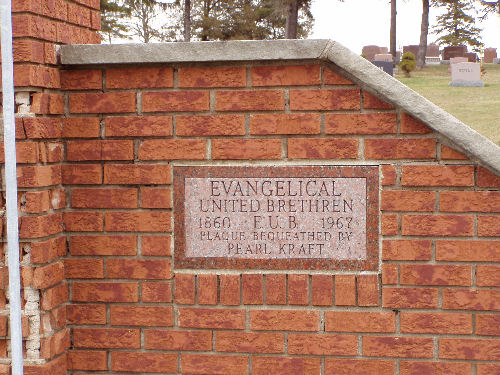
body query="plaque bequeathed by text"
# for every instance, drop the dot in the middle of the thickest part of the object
(284, 217)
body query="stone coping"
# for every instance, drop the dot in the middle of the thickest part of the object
(360, 70)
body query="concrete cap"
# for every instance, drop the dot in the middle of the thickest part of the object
(360, 70)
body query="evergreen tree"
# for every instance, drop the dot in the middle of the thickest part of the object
(113, 14)
(457, 25)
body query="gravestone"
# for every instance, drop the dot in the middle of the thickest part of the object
(429, 60)
(457, 60)
(303, 217)
(454, 51)
(412, 48)
(496, 60)
(466, 74)
(383, 57)
(471, 56)
(370, 51)
(432, 50)
(386, 66)
(489, 55)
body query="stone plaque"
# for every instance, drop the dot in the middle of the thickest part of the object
(466, 74)
(307, 217)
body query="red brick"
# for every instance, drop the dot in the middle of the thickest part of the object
(298, 289)
(488, 275)
(345, 290)
(55, 344)
(28, 51)
(487, 179)
(45, 251)
(242, 149)
(390, 273)
(100, 150)
(211, 318)
(156, 245)
(172, 149)
(333, 78)
(49, 275)
(487, 369)
(406, 249)
(33, 26)
(149, 221)
(138, 78)
(103, 245)
(372, 102)
(41, 127)
(296, 123)
(40, 226)
(368, 290)
(350, 321)
(82, 174)
(175, 101)
(286, 75)
(284, 320)
(324, 100)
(79, 221)
(144, 362)
(436, 323)
(178, 340)
(41, 76)
(104, 198)
(434, 368)
(470, 349)
(207, 289)
(230, 290)
(26, 152)
(108, 102)
(250, 100)
(322, 344)
(487, 324)
(321, 290)
(38, 176)
(105, 292)
(212, 77)
(214, 364)
(430, 274)
(143, 126)
(409, 125)
(471, 299)
(469, 201)
(405, 200)
(249, 342)
(468, 251)
(335, 366)
(285, 366)
(185, 291)
(420, 148)
(410, 298)
(84, 268)
(194, 126)
(437, 225)
(390, 224)
(34, 201)
(81, 127)
(146, 316)
(361, 123)
(81, 79)
(87, 360)
(147, 174)
(157, 292)
(451, 154)
(33, 6)
(54, 296)
(403, 347)
(317, 148)
(156, 197)
(78, 15)
(438, 175)
(155, 269)
(86, 314)
(488, 226)
(252, 289)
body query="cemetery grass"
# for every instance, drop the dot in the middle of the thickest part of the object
(478, 107)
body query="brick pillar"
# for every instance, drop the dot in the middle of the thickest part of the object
(38, 27)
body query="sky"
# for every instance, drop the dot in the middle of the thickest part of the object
(356, 23)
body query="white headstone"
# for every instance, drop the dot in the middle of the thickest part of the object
(383, 57)
(457, 60)
(466, 74)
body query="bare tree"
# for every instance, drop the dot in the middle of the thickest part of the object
(292, 19)
(424, 31)
(187, 20)
(392, 46)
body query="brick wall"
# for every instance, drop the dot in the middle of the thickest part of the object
(431, 308)
(38, 27)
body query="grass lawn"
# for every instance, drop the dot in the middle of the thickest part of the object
(478, 107)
